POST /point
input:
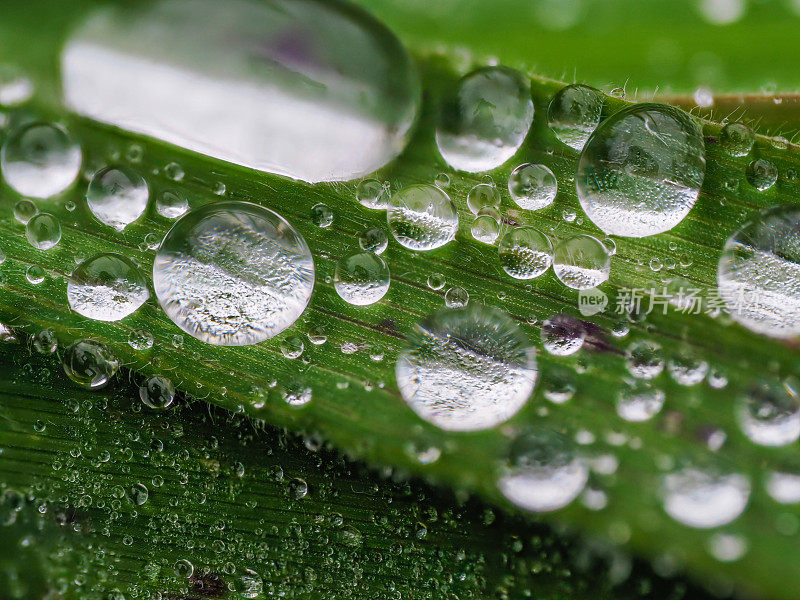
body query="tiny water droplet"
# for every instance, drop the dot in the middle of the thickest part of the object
(321, 215)
(157, 392)
(43, 231)
(374, 240)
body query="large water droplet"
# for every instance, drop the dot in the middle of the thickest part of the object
(525, 253)
(422, 217)
(543, 472)
(485, 121)
(582, 262)
(40, 160)
(314, 90)
(467, 368)
(89, 364)
(769, 413)
(233, 274)
(574, 113)
(641, 170)
(532, 187)
(759, 273)
(705, 498)
(117, 196)
(107, 287)
(361, 279)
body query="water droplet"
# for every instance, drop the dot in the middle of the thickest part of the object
(705, 498)
(737, 139)
(89, 364)
(183, 568)
(442, 180)
(174, 171)
(140, 339)
(783, 487)
(485, 121)
(761, 174)
(758, 274)
(563, 335)
(456, 297)
(644, 360)
(467, 368)
(292, 347)
(157, 392)
(171, 204)
(317, 335)
(117, 196)
(249, 584)
(481, 196)
(15, 87)
(34, 274)
(559, 386)
(485, 229)
(769, 413)
(422, 217)
(436, 281)
(295, 100)
(525, 253)
(641, 170)
(639, 402)
(298, 488)
(138, 493)
(361, 279)
(43, 231)
(297, 394)
(107, 287)
(233, 274)
(40, 160)
(45, 342)
(532, 187)
(574, 113)
(373, 194)
(727, 547)
(321, 215)
(374, 240)
(581, 262)
(687, 369)
(24, 211)
(543, 472)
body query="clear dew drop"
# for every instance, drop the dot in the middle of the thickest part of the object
(312, 90)
(574, 113)
(563, 335)
(639, 402)
(482, 196)
(422, 217)
(436, 281)
(141, 339)
(89, 364)
(15, 87)
(783, 487)
(157, 392)
(40, 160)
(292, 347)
(761, 174)
(35, 274)
(456, 297)
(107, 287)
(769, 413)
(581, 262)
(24, 211)
(704, 499)
(171, 204)
(641, 171)
(687, 369)
(45, 342)
(486, 119)
(248, 584)
(467, 368)
(758, 274)
(374, 240)
(737, 139)
(373, 194)
(543, 471)
(532, 186)
(233, 274)
(525, 253)
(117, 196)
(43, 231)
(644, 360)
(727, 547)
(485, 229)
(138, 494)
(362, 279)
(183, 568)
(442, 180)
(321, 215)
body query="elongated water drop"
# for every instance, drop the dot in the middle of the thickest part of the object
(314, 90)
(107, 287)
(467, 368)
(422, 217)
(233, 274)
(641, 170)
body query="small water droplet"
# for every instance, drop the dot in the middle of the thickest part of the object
(45, 342)
(705, 499)
(761, 174)
(292, 347)
(482, 196)
(24, 211)
(362, 279)
(321, 215)
(374, 240)
(574, 113)
(485, 229)
(89, 364)
(171, 204)
(769, 413)
(373, 194)
(563, 335)
(35, 274)
(157, 392)
(639, 402)
(140, 339)
(737, 139)
(532, 186)
(436, 281)
(43, 231)
(644, 360)
(456, 297)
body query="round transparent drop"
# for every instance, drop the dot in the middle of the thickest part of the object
(641, 170)
(467, 368)
(525, 253)
(481, 196)
(532, 187)
(89, 364)
(687, 369)
(574, 113)
(543, 471)
(705, 499)
(761, 174)
(485, 229)
(321, 215)
(758, 274)
(373, 194)
(171, 204)
(374, 240)
(15, 87)
(582, 262)
(422, 217)
(361, 279)
(233, 274)
(484, 122)
(24, 211)
(117, 196)
(769, 413)
(157, 392)
(43, 231)
(107, 287)
(563, 335)
(40, 160)
(737, 139)
(644, 360)
(456, 297)
(639, 402)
